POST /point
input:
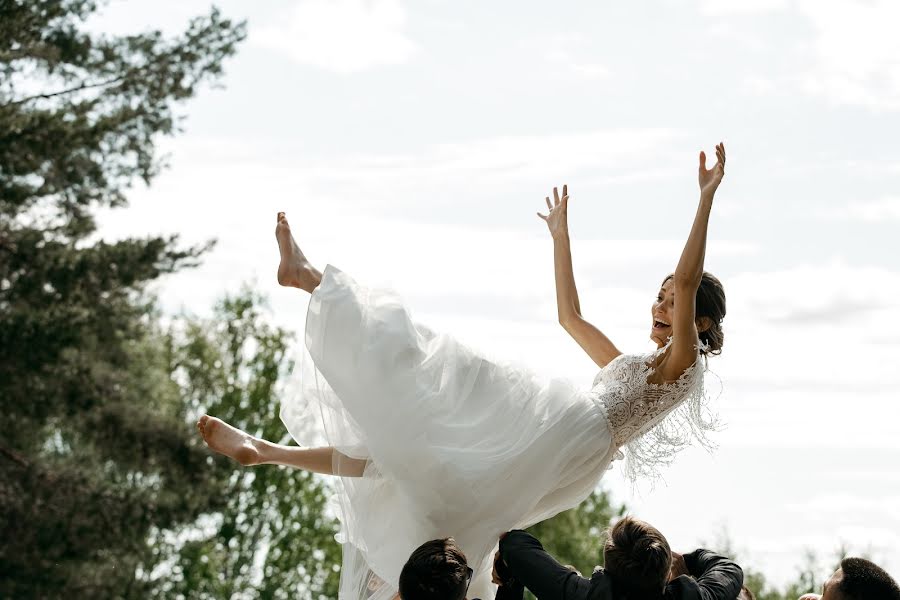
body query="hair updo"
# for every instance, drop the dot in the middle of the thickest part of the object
(710, 303)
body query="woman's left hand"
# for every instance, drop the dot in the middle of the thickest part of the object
(711, 178)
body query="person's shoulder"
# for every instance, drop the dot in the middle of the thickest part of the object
(601, 585)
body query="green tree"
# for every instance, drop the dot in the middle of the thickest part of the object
(809, 577)
(94, 451)
(271, 537)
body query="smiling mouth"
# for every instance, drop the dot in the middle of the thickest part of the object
(657, 324)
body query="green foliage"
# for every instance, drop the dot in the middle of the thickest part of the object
(105, 490)
(94, 450)
(271, 538)
(81, 139)
(810, 575)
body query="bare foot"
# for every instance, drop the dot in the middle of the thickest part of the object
(228, 440)
(293, 270)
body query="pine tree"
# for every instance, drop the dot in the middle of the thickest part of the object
(95, 454)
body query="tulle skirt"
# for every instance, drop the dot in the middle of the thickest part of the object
(458, 445)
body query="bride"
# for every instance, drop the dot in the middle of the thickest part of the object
(430, 439)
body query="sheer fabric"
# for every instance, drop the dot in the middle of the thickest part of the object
(457, 445)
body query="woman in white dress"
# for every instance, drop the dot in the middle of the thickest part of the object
(430, 439)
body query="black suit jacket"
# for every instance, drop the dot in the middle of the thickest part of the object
(713, 577)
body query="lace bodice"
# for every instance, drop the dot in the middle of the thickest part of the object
(651, 421)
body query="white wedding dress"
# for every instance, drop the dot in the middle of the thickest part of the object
(458, 445)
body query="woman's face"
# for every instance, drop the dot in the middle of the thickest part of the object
(662, 312)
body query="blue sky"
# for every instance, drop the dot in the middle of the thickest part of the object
(411, 144)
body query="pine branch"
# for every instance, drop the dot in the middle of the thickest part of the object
(83, 86)
(13, 456)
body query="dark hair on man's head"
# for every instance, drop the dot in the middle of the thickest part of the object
(436, 570)
(710, 304)
(864, 580)
(638, 558)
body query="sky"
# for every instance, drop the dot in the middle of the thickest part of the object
(411, 144)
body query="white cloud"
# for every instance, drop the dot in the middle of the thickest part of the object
(514, 155)
(741, 7)
(344, 36)
(837, 505)
(800, 339)
(513, 171)
(554, 152)
(857, 50)
(172, 17)
(505, 169)
(873, 211)
(853, 50)
(570, 53)
(590, 70)
(777, 295)
(735, 34)
(757, 85)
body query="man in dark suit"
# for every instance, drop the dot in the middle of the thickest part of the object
(639, 566)
(858, 579)
(438, 570)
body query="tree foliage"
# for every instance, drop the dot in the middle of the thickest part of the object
(810, 573)
(272, 536)
(94, 450)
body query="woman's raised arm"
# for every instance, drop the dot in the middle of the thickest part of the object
(592, 340)
(689, 272)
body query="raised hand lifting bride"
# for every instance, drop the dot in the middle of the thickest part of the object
(431, 439)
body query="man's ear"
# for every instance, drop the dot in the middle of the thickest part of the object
(704, 323)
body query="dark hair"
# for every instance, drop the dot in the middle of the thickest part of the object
(436, 570)
(864, 580)
(637, 557)
(710, 304)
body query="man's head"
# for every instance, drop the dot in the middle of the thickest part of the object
(436, 570)
(637, 557)
(859, 579)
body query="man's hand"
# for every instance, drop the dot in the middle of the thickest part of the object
(495, 577)
(679, 567)
(500, 570)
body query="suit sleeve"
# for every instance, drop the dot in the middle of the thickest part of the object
(718, 578)
(529, 564)
(511, 590)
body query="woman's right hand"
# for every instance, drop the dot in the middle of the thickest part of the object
(557, 219)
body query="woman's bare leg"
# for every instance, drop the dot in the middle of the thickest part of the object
(248, 450)
(293, 270)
